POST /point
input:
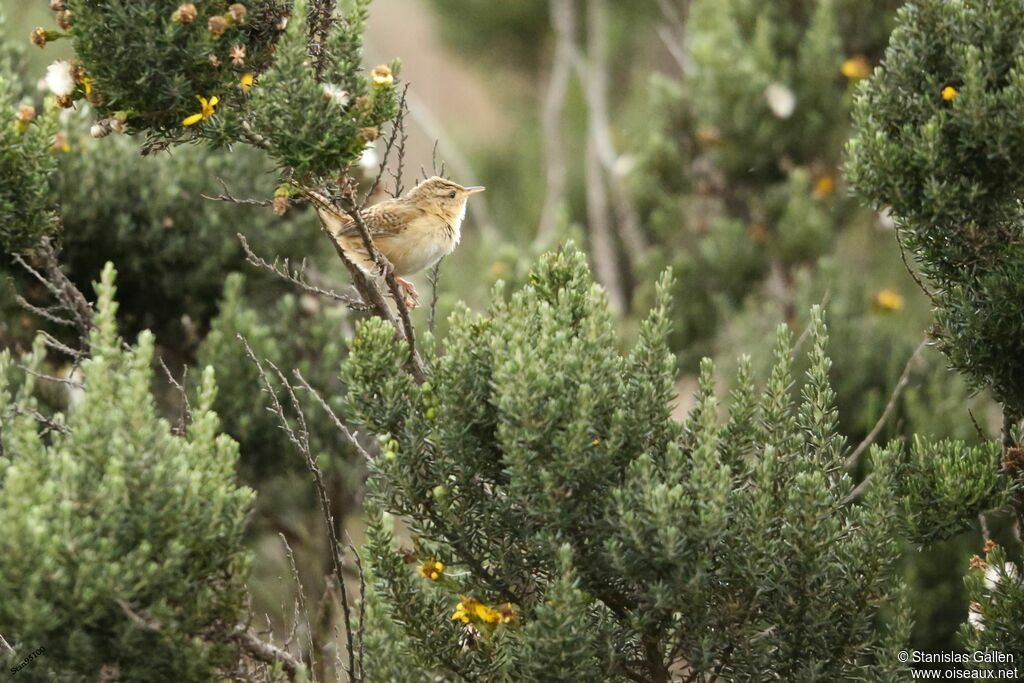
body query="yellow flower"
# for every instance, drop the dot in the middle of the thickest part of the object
(888, 300)
(246, 82)
(432, 569)
(470, 609)
(949, 93)
(207, 110)
(824, 186)
(382, 76)
(856, 68)
(86, 85)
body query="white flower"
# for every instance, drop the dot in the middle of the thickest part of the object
(781, 100)
(993, 575)
(975, 617)
(59, 79)
(369, 159)
(336, 94)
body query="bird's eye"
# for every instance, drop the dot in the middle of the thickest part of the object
(451, 195)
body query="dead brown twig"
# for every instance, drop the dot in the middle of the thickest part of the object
(299, 438)
(282, 269)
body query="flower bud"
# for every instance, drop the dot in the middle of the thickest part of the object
(185, 14)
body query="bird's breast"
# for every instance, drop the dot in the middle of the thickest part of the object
(424, 242)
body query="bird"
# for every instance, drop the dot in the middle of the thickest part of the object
(413, 231)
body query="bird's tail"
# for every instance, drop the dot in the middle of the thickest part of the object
(329, 214)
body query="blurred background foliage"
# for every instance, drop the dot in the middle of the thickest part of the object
(705, 136)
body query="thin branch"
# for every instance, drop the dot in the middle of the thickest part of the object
(301, 601)
(144, 623)
(45, 313)
(349, 436)
(297, 277)
(397, 135)
(434, 277)
(186, 406)
(69, 298)
(226, 196)
(51, 342)
(904, 379)
(268, 653)
(361, 636)
(913, 273)
(47, 423)
(300, 439)
(254, 138)
(67, 381)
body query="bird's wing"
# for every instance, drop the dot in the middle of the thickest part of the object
(386, 219)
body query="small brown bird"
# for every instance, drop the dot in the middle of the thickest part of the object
(413, 231)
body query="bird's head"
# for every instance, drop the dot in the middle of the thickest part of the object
(442, 197)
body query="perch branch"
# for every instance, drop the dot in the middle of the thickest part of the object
(904, 379)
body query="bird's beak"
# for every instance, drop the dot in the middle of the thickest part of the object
(473, 189)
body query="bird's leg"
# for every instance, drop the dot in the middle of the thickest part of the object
(412, 298)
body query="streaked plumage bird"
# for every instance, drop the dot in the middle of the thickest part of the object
(413, 231)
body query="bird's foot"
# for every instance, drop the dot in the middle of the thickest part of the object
(411, 296)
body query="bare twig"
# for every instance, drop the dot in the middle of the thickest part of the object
(47, 423)
(349, 436)
(361, 637)
(397, 135)
(901, 384)
(69, 299)
(51, 342)
(67, 381)
(186, 406)
(299, 437)
(268, 653)
(144, 623)
(301, 599)
(45, 313)
(434, 277)
(226, 196)
(913, 273)
(254, 138)
(297, 276)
